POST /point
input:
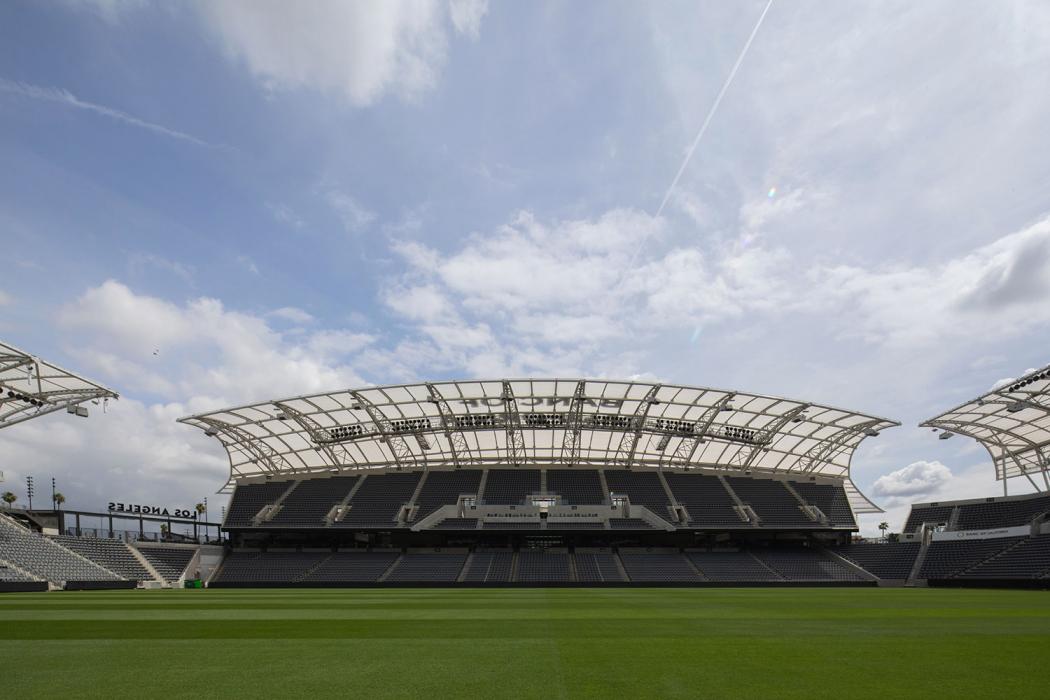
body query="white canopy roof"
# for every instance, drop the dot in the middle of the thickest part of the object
(1013, 424)
(540, 422)
(30, 387)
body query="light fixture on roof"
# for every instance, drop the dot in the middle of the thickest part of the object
(662, 444)
(1015, 407)
(945, 435)
(79, 411)
(871, 432)
(211, 432)
(355, 407)
(281, 415)
(799, 418)
(423, 444)
(727, 406)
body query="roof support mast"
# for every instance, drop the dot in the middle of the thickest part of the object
(457, 441)
(512, 420)
(683, 454)
(321, 437)
(399, 448)
(570, 445)
(629, 441)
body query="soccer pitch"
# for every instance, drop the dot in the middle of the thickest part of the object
(531, 643)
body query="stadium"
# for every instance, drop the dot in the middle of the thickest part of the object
(454, 489)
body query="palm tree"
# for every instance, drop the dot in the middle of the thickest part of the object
(59, 500)
(9, 498)
(884, 526)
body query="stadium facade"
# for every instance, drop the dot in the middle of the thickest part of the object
(563, 482)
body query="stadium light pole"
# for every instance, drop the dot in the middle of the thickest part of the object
(29, 491)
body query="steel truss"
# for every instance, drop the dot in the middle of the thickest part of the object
(535, 422)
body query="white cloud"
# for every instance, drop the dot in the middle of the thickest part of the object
(292, 314)
(358, 50)
(139, 261)
(248, 264)
(286, 215)
(467, 15)
(354, 215)
(201, 350)
(915, 482)
(995, 290)
(5, 298)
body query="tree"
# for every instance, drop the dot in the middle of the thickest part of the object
(884, 526)
(9, 498)
(59, 499)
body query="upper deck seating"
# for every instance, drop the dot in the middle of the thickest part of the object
(576, 486)
(927, 514)
(249, 499)
(706, 500)
(643, 488)
(511, 487)
(771, 501)
(312, 500)
(443, 488)
(378, 500)
(831, 499)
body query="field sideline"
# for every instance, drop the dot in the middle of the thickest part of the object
(535, 643)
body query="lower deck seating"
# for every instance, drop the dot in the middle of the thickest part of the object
(112, 555)
(267, 567)
(1028, 560)
(597, 567)
(888, 560)
(947, 558)
(169, 562)
(806, 565)
(731, 566)
(352, 567)
(9, 574)
(490, 567)
(653, 568)
(543, 567)
(427, 567)
(46, 559)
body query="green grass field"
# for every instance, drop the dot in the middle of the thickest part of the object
(538, 643)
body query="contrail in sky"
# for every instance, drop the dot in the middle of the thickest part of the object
(65, 97)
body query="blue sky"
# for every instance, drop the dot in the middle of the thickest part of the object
(286, 198)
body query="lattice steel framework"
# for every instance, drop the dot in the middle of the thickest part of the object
(31, 387)
(1013, 424)
(530, 422)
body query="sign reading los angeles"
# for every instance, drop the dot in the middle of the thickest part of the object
(138, 509)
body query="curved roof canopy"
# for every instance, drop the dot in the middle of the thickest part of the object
(539, 422)
(1013, 424)
(30, 387)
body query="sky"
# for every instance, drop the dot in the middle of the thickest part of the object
(205, 204)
